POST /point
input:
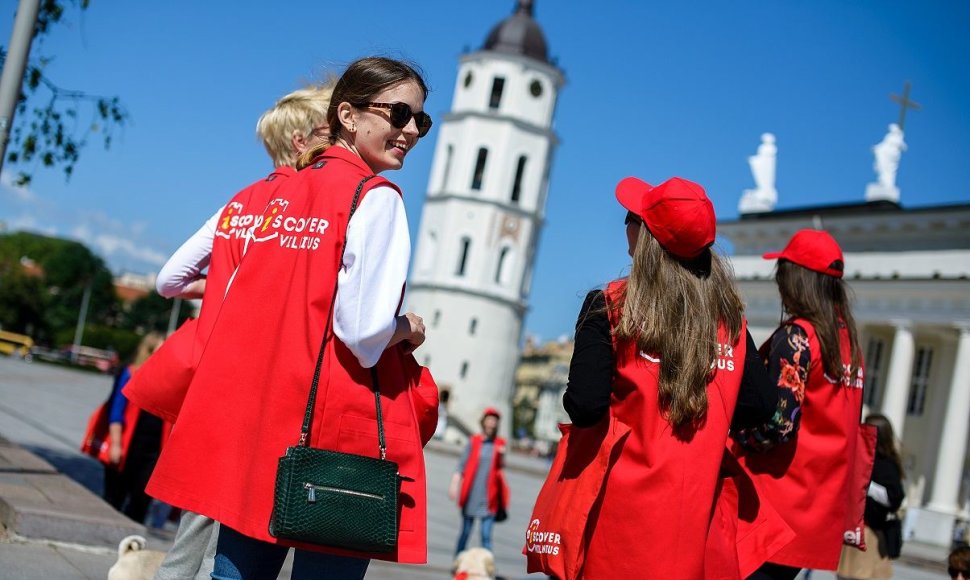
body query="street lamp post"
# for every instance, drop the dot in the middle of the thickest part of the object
(14, 66)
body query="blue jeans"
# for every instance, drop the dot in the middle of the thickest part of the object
(240, 557)
(468, 522)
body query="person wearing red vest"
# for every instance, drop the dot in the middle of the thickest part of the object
(249, 392)
(135, 441)
(479, 485)
(666, 353)
(815, 354)
(297, 122)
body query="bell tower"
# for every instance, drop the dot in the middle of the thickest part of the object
(483, 214)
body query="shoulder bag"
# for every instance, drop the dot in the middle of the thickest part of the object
(335, 499)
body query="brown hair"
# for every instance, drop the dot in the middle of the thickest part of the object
(365, 78)
(959, 559)
(673, 308)
(886, 440)
(823, 300)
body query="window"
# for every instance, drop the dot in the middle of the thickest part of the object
(500, 271)
(429, 250)
(479, 169)
(444, 178)
(921, 381)
(498, 85)
(535, 88)
(517, 184)
(466, 243)
(873, 369)
(464, 369)
(472, 326)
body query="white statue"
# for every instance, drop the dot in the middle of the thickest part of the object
(887, 154)
(764, 197)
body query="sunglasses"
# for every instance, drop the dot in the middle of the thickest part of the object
(632, 218)
(954, 572)
(401, 114)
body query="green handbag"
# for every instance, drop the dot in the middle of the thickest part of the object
(331, 498)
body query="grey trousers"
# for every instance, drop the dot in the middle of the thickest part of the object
(194, 551)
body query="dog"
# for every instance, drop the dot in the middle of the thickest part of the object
(134, 561)
(474, 564)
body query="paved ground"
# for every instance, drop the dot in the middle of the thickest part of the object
(45, 409)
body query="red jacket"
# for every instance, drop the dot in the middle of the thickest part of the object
(160, 386)
(249, 393)
(498, 489)
(658, 499)
(810, 475)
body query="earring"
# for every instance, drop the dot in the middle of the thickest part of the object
(353, 128)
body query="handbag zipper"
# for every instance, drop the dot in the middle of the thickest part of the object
(312, 492)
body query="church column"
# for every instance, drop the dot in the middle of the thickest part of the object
(956, 426)
(900, 376)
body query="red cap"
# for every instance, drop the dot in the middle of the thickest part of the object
(491, 411)
(815, 250)
(677, 212)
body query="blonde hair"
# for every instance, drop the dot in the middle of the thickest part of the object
(302, 110)
(672, 308)
(148, 345)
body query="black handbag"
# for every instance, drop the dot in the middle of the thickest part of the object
(335, 499)
(892, 536)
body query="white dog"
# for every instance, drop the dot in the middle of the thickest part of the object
(475, 564)
(134, 561)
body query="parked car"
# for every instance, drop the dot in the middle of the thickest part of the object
(18, 345)
(101, 359)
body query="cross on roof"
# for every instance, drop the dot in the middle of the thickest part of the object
(904, 103)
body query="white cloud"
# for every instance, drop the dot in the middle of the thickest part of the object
(17, 192)
(114, 242)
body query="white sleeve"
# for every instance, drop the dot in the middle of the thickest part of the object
(878, 493)
(375, 267)
(188, 261)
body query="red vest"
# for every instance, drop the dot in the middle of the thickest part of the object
(160, 386)
(657, 503)
(498, 490)
(249, 393)
(808, 478)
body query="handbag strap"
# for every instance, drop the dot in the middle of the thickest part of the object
(308, 414)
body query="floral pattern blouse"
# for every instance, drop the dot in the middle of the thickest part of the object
(787, 356)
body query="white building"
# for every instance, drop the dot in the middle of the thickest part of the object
(910, 272)
(483, 214)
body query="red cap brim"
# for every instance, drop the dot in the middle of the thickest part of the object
(630, 191)
(772, 255)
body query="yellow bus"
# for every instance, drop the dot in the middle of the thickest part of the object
(17, 345)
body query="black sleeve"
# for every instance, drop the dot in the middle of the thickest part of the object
(587, 396)
(758, 397)
(886, 474)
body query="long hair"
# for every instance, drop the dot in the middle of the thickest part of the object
(886, 440)
(365, 78)
(673, 308)
(148, 345)
(823, 300)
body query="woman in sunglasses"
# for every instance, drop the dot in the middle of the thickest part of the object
(310, 269)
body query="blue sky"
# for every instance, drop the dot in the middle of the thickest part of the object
(653, 89)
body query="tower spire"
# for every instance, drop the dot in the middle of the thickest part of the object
(526, 6)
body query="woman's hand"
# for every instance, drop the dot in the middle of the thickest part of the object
(195, 290)
(410, 330)
(454, 487)
(114, 453)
